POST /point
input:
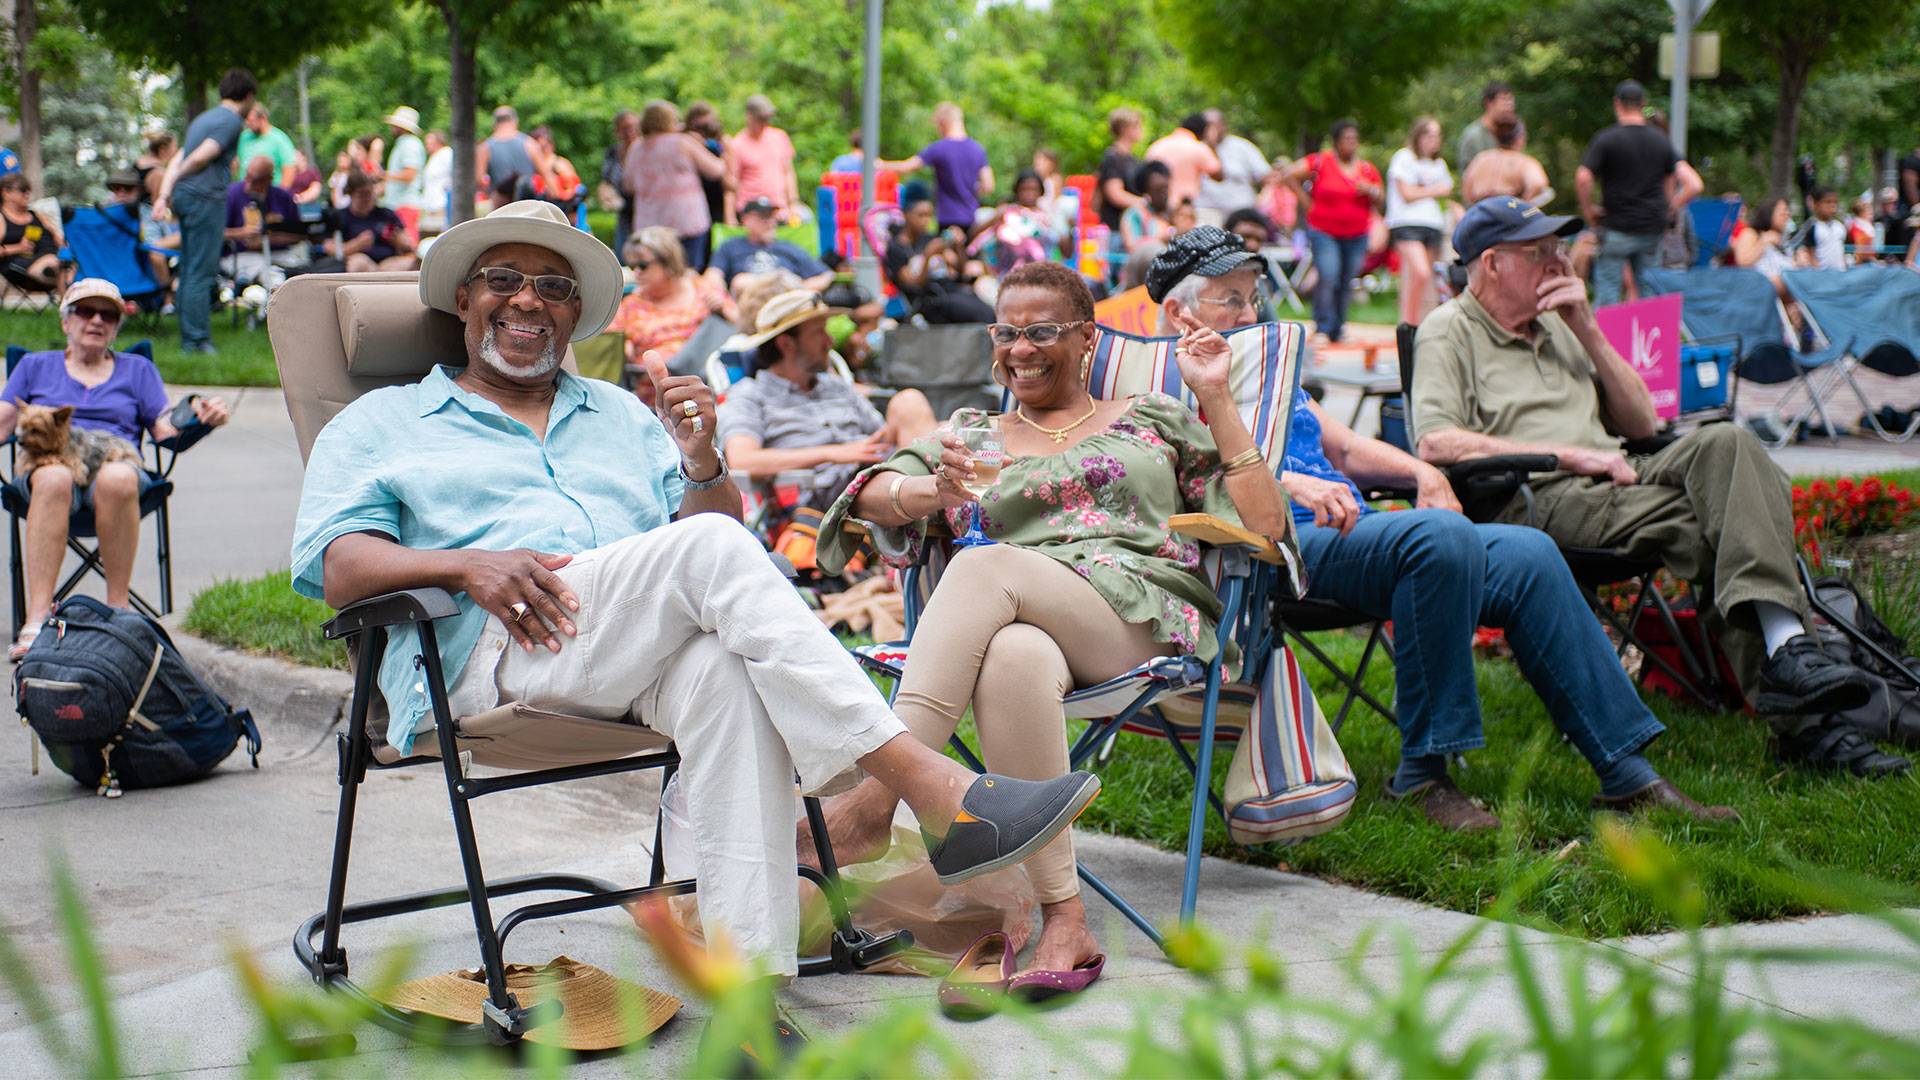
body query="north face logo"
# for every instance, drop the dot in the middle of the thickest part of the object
(70, 712)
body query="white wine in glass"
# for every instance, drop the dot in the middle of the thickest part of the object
(986, 454)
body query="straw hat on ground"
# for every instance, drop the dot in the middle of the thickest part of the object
(450, 260)
(597, 1011)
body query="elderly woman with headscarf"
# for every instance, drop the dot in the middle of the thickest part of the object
(109, 398)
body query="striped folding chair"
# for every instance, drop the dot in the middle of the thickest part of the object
(1183, 699)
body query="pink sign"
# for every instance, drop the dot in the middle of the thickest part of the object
(1646, 333)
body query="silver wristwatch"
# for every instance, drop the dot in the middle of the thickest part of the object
(718, 478)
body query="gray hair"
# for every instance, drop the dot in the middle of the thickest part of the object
(1186, 291)
(663, 244)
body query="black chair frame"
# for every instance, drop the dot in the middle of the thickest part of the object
(364, 626)
(153, 501)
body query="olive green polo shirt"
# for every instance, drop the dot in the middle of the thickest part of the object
(1471, 373)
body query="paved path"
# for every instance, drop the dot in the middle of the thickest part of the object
(176, 878)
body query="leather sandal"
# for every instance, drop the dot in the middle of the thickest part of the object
(1034, 987)
(977, 985)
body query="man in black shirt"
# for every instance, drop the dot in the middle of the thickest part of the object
(1118, 169)
(1640, 192)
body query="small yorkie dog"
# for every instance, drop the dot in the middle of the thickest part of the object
(47, 437)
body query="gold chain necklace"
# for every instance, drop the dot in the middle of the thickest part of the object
(1058, 435)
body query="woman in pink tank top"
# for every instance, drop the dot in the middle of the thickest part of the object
(662, 174)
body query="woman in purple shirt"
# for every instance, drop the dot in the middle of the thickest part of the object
(118, 394)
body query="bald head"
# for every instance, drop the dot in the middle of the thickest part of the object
(260, 173)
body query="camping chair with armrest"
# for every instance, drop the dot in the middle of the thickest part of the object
(1178, 698)
(1738, 307)
(156, 485)
(104, 242)
(335, 337)
(1872, 313)
(1486, 486)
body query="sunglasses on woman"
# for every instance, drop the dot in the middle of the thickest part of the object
(505, 281)
(90, 312)
(1042, 334)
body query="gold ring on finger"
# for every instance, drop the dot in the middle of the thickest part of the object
(699, 425)
(690, 408)
(518, 610)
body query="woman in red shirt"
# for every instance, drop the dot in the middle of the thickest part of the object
(1341, 190)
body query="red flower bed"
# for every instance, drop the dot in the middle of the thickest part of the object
(1846, 507)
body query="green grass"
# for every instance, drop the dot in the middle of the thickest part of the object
(265, 615)
(245, 357)
(1793, 823)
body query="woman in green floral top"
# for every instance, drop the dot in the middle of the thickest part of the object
(1086, 580)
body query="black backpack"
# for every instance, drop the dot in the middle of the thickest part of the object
(117, 707)
(1892, 714)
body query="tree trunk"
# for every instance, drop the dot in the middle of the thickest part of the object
(460, 100)
(26, 20)
(1794, 68)
(193, 94)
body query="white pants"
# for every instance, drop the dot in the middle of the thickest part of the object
(690, 630)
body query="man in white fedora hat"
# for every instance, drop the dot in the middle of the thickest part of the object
(406, 162)
(595, 552)
(794, 414)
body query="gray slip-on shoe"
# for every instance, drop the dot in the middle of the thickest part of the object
(1002, 821)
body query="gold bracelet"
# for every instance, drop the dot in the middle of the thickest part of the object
(893, 496)
(1245, 459)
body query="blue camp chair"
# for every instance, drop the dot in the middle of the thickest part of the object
(1738, 308)
(1178, 698)
(1713, 222)
(104, 242)
(1872, 314)
(155, 487)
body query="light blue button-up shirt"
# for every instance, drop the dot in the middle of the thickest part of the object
(437, 468)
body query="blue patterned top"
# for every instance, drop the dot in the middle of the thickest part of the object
(1307, 456)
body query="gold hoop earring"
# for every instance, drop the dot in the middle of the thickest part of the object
(994, 374)
(1086, 363)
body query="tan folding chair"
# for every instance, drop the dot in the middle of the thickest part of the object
(335, 337)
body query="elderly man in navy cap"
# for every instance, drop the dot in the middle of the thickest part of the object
(1437, 576)
(1517, 365)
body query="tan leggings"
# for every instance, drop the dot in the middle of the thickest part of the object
(1013, 632)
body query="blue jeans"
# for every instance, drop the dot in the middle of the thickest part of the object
(1437, 576)
(1619, 250)
(203, 232)
(1338, 262)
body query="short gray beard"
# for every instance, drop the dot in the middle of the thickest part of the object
(490, 356)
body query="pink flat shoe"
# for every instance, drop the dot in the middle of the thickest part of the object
(1037, 986)
(977, 985)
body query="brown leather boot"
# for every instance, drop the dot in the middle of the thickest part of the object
(1447, 806)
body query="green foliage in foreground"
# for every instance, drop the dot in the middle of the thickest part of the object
(265, 615)
(1561, 1007)
(245, 358)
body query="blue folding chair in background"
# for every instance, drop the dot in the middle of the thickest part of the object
(104, 242)
(1179, 698)
(1872, 314)
(1731, 308)
(156, 486)
(1713, 222)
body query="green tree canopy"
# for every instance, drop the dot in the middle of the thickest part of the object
(204, 37)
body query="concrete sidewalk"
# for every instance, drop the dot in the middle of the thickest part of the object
(176, 878)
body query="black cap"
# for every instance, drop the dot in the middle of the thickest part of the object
(762, 205)
(1504, 219)
(1207, 250)
(1630, 92)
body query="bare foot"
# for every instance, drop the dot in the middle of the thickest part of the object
(860, 823)
(1065, 942)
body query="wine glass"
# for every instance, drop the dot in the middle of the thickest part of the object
(984, 447)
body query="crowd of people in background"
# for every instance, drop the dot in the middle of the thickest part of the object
(238, 203)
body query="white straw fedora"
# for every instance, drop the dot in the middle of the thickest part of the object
(450, 260)
(783, 313)
(406, 118)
